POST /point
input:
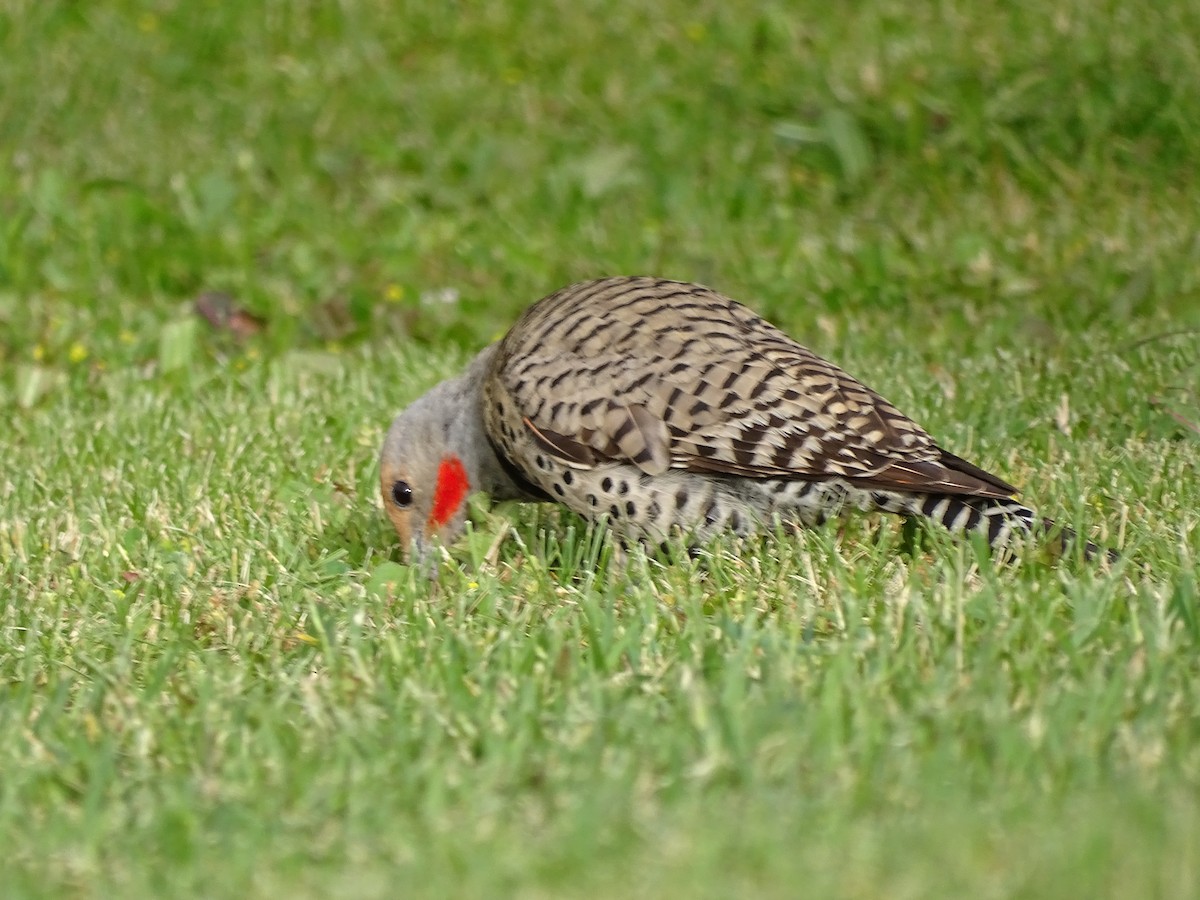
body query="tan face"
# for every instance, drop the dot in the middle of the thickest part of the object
(420, 515)
(395, 487)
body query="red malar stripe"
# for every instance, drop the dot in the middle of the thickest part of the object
(452, 487)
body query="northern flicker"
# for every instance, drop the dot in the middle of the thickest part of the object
(665, 408)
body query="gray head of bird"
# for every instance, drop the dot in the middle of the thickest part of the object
(424, 481)
(436, 454)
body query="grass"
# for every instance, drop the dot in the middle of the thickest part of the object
(216, 678)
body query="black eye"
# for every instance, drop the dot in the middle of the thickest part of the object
(402, 494)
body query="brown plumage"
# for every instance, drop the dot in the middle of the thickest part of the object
(666, 407)
(663, 374)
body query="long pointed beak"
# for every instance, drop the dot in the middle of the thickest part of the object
(424, 555)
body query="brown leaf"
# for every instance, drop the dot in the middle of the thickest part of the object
(218, 309)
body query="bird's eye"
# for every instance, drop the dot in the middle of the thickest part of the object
(402, 494)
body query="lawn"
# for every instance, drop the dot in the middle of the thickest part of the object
(216, 678)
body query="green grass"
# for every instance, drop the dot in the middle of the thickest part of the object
(215, 677)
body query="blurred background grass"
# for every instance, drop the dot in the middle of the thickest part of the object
(343, 169)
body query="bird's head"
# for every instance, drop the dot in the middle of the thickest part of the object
(423, 480)
(436, 454)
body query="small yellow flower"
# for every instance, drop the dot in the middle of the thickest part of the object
(39, 352)
(695, 31)
(126, 337)
(77, 353)
(393, 293)
(472, 585)
(148, 23)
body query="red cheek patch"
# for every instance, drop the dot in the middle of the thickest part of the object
(452, 487)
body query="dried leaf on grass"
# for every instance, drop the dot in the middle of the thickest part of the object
(219, 310)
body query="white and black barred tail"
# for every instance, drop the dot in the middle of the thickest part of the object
(1000, 520)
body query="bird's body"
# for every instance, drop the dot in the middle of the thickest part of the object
(665, 408)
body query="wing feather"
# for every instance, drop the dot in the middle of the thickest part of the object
(662, 374)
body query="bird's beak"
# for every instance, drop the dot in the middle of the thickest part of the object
(424, 554)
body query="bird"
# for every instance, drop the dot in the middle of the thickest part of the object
(663, 409)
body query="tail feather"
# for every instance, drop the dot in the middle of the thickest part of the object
(998, 520)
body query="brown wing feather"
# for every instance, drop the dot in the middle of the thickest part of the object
(668, 374)
(568, 449)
